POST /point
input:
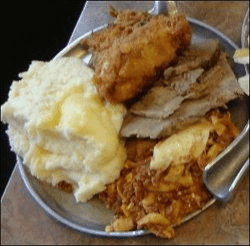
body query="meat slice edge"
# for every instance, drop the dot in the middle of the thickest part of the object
(224, 88)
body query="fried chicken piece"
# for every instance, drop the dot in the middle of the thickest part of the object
(127, 66)
(125, 23)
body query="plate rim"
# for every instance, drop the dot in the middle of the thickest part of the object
(243, 31)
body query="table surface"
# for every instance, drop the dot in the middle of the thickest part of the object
(23, 222)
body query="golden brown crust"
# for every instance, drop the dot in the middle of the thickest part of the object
(139, 149)
(128, 64)
(125, 23)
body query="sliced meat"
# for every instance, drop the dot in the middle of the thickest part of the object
(159, 102)
(183, 82)
(162, 101)
(204, 55)
(223, 88)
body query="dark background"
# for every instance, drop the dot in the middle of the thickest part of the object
(31, 30)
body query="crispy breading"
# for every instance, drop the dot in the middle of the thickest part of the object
(125, 66)
(139, 149)
(125, 23)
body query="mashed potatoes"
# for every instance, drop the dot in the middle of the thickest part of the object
(62, 129)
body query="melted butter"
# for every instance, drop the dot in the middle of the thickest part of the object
(181, 147)
(87, 117)
(53, 112)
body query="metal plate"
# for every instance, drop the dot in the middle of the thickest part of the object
(92, 217)
(245, 31)
(245, 34)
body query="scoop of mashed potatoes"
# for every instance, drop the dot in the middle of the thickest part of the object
(62, 129)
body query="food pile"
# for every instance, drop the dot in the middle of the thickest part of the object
(62, 130)
(137, 126)
(161, 182)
